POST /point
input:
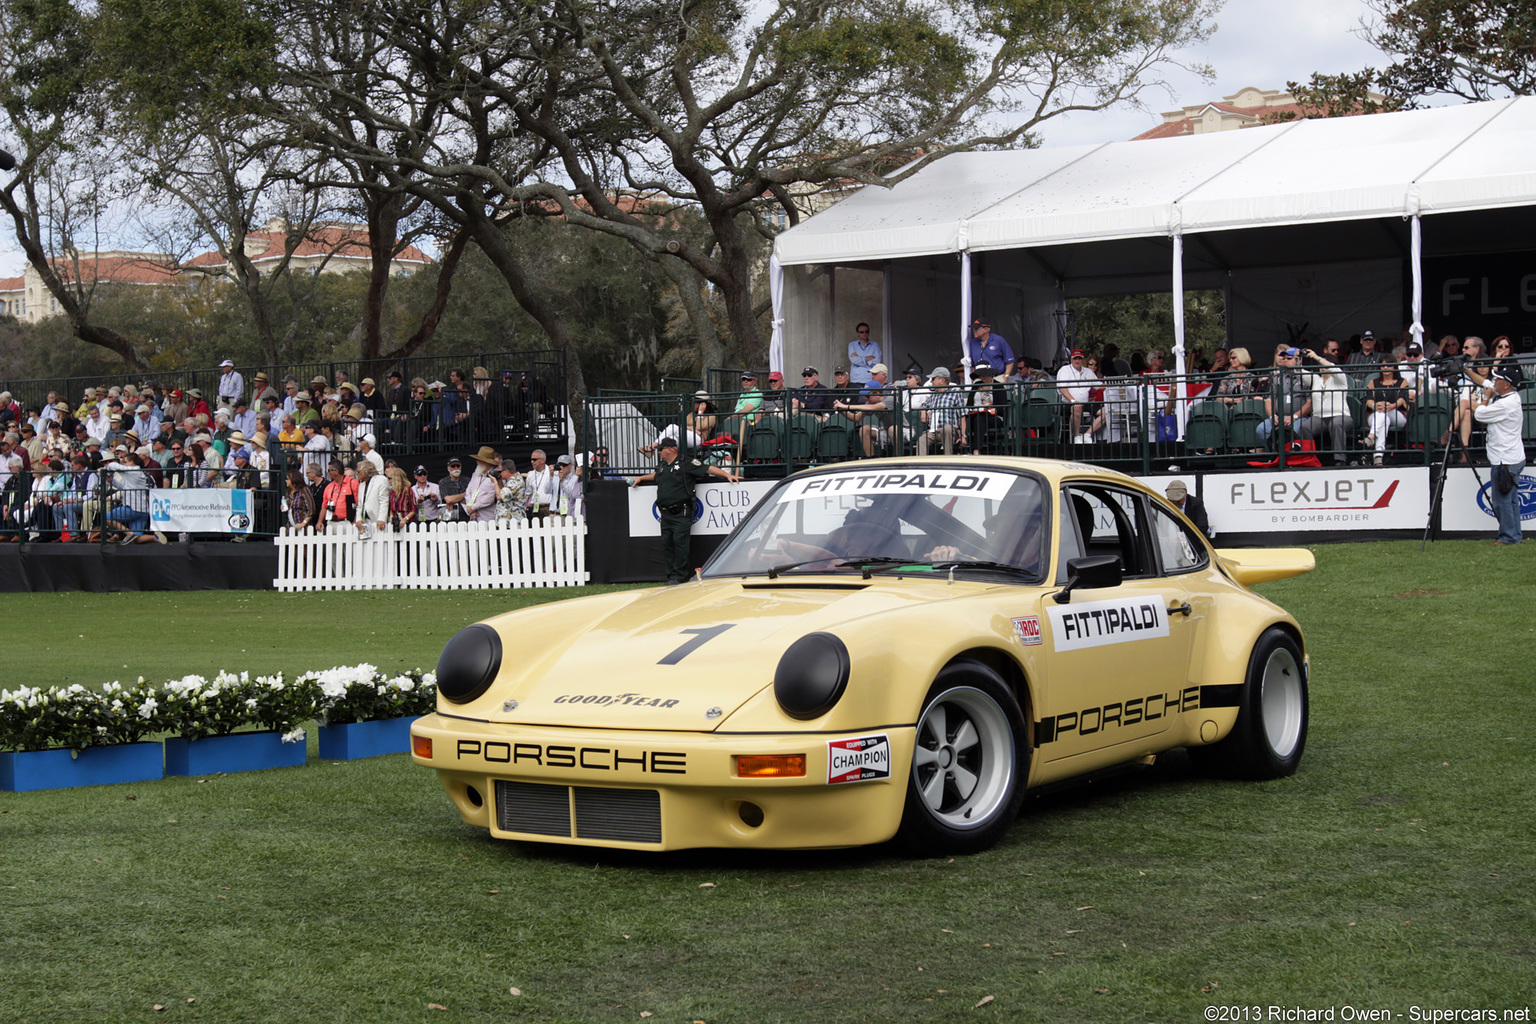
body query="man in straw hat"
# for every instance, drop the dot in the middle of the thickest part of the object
(480, 493)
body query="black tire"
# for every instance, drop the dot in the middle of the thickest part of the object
(969, 765)
(1271, 729)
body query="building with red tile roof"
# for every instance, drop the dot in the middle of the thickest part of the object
(327, 248)
(1243, 109)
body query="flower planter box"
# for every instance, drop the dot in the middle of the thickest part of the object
(27, 770)
(237, 752)
(366, 739)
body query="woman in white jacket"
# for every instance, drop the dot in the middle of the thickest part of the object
(372, 500)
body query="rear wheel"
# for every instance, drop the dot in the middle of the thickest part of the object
(968, 765)
(1271, 729)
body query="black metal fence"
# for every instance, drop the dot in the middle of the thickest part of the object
(1135, 424)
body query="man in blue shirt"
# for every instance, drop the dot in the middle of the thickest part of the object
(863, 354)
(986, 347)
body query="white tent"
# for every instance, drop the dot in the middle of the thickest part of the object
(1308, 225)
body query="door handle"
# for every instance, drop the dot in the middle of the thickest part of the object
(1182, 609)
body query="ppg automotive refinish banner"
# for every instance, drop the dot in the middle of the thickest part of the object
(1320, 500)
(201, 510)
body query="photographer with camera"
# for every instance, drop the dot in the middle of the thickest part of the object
(1473, 381)
(1501, 415)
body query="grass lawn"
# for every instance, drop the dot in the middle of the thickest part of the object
(1394, 871)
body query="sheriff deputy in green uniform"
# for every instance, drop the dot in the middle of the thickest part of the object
(675, 479)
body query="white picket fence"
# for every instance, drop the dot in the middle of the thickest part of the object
(443, 556)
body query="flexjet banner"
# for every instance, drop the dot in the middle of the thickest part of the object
(1080, 625)
(1325, 500)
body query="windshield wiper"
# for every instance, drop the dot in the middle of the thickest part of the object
(773, 573)
(884, 561)
(1004, 566)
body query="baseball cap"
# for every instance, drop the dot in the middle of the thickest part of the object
(980, 323)
(1293, 351)
(939, 371)
(1076, 352)
(775, 375)
(564, 460)
(748, 375)
(1414, 349)
(879, 368)
(839, 369)
(810, 371)
(228, 362)
(421, 469)
(455, 462)
(1367, 334)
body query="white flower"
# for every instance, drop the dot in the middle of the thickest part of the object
(296, 736)
(250, 702)
(101, 730)
(148, 707)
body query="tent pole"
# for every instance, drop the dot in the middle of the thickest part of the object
(1180, 389)
(776, 297)
(965, 313)
(1418, 284)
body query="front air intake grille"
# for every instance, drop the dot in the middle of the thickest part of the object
(627, 815)
(620, 815)
(530, 807)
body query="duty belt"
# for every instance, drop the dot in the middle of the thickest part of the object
(679, 507)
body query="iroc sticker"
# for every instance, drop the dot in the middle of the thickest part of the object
(859, 760)
(1027, 630)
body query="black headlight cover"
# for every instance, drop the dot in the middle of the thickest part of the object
(468, 663)
(811, 676)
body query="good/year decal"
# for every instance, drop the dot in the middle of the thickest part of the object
(1078, 626)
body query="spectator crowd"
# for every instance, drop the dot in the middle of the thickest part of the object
(84, 470)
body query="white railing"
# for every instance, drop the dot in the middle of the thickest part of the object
(442, 556)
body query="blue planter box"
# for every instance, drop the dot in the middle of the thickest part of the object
(27, 770)
(238, 752)
(366, 739)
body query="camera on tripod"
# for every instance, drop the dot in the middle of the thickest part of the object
(1447, 367)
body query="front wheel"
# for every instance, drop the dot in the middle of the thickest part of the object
(1271, 729)
(969, 764)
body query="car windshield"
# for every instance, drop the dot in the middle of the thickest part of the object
(893, 519)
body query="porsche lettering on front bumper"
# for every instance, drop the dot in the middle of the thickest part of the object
(662, 791)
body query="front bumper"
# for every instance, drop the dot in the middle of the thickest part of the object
(660, 790)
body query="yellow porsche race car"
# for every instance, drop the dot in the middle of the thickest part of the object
(888, 648)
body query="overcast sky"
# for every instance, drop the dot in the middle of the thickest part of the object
(1262, 43)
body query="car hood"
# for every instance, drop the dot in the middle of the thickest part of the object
(671, 657)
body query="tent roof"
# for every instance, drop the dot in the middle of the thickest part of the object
(1446, 159)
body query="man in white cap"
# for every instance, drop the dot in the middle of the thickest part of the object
(231, 384)
(365, 450)
(1502, 416)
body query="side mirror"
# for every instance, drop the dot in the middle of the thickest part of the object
(1091, 573)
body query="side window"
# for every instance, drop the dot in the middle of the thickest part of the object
(1177, 546)
(1110, 522)
(1067, 538)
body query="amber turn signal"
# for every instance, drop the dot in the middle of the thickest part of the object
(767, 766)
(421, 746)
